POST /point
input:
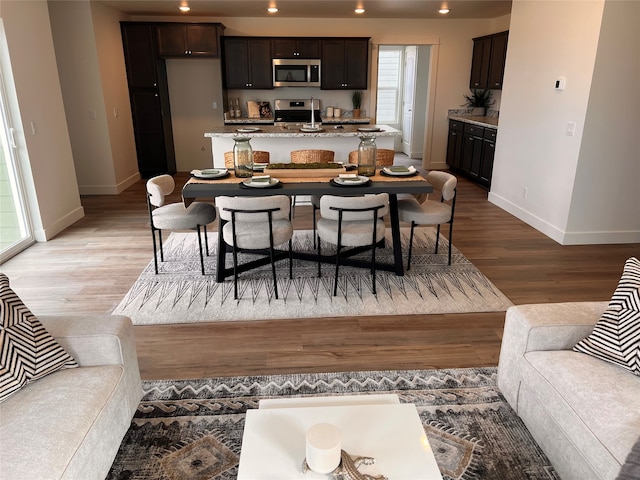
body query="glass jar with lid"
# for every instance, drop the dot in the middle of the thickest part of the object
(242, 157)
(367, 152)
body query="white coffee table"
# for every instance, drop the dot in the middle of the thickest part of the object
(273, 445)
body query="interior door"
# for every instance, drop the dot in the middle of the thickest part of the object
(408, 97)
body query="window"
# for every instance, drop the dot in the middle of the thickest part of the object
(389, 85)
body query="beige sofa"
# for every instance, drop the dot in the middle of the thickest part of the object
(583, 412)
(69, 424)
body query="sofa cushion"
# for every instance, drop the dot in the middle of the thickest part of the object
(594, 403)
(616, 336)
(64, 426)
(27, 351)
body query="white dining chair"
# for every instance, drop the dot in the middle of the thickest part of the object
(256, 223)
(175, 216)
(352, 222)
(431, 212)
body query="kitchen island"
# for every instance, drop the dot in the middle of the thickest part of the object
(279, 141)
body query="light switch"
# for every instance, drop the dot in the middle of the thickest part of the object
(571, 128)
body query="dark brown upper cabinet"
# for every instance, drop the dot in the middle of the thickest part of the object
(189, 39)
(247, 62)
(487, 65)
(345, 63)
(138, 40)
(295, 47)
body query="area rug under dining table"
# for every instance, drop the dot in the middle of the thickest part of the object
(192, 429)
(181, 294)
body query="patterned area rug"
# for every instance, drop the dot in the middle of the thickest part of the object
(192, 430)
(181, 294)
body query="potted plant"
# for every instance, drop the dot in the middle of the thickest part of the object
(479, 101)
(356, 99)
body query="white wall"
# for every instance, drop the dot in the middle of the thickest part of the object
(93, 79)
(46, 155)
(536, 162)
(605, 205)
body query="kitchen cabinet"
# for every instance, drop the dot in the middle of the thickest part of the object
(470, 151)
(454, 144)
(295, 47)
(189, 39)
(247, 62)
(345, 63)
(487, 64)
(149, 97)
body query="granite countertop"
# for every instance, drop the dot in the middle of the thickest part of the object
(491, 122)
(327, 131)
(271, 120)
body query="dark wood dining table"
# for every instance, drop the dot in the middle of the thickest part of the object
(232, 186)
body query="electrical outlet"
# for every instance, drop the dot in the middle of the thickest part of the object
(215, 105)
(525, 192)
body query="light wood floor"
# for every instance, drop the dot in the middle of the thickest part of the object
(89, 267)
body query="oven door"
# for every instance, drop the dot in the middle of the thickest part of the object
(296, 73)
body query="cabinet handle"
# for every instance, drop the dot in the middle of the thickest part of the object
(497, 84)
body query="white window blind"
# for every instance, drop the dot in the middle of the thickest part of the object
(389, 84)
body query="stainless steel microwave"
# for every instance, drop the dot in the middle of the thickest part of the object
(296, 73)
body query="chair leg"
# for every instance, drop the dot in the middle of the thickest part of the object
(450, 239)
(413, 226)
(319, 267)
(235, 273)
(290, 259)
(273, 272)
(200, 249)
(335, 280)
(206, 240)
(314, 225)
(160, 241)
(373, 267)
(437, 237)
(155, 250)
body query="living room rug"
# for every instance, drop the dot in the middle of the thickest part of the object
(181, 294)
(192, 429)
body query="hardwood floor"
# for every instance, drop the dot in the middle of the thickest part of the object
(90, 266)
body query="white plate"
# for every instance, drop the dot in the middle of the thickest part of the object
(361, 180)
(368, 129)
(272, 182)
(248, 130)
(388, 171)
(209, 173)
(310, 129)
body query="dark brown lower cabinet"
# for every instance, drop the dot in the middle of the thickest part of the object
(470, 151)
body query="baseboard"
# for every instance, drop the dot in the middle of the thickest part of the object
(109, 189)
(561, 236)
(46, 234)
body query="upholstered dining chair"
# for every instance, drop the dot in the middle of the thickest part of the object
(352, 222)
(259, 156)
(431, 212)
(175, 216)
(256, 223)
(384, 157)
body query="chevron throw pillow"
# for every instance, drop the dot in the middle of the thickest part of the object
(27, 351)
(616, 336)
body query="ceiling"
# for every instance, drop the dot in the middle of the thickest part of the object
(316, 8)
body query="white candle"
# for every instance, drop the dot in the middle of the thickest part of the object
(323, 446)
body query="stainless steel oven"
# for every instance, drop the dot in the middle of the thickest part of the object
(296, 73)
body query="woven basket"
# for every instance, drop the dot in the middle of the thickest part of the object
(384, 157)
(259, 156)
(312, 156)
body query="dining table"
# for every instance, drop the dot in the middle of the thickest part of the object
(230, 185)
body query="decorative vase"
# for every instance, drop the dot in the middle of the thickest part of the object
(356, 113)
(479, 111)
(367, 152)
(243, 157)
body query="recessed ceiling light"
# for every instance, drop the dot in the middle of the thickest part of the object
(184, 8)
(359, 10)
(443, 11)
(272, 9)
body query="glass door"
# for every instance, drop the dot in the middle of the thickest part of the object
(15, 227)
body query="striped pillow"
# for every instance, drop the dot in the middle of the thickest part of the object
(27, 351)
(616, 336)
